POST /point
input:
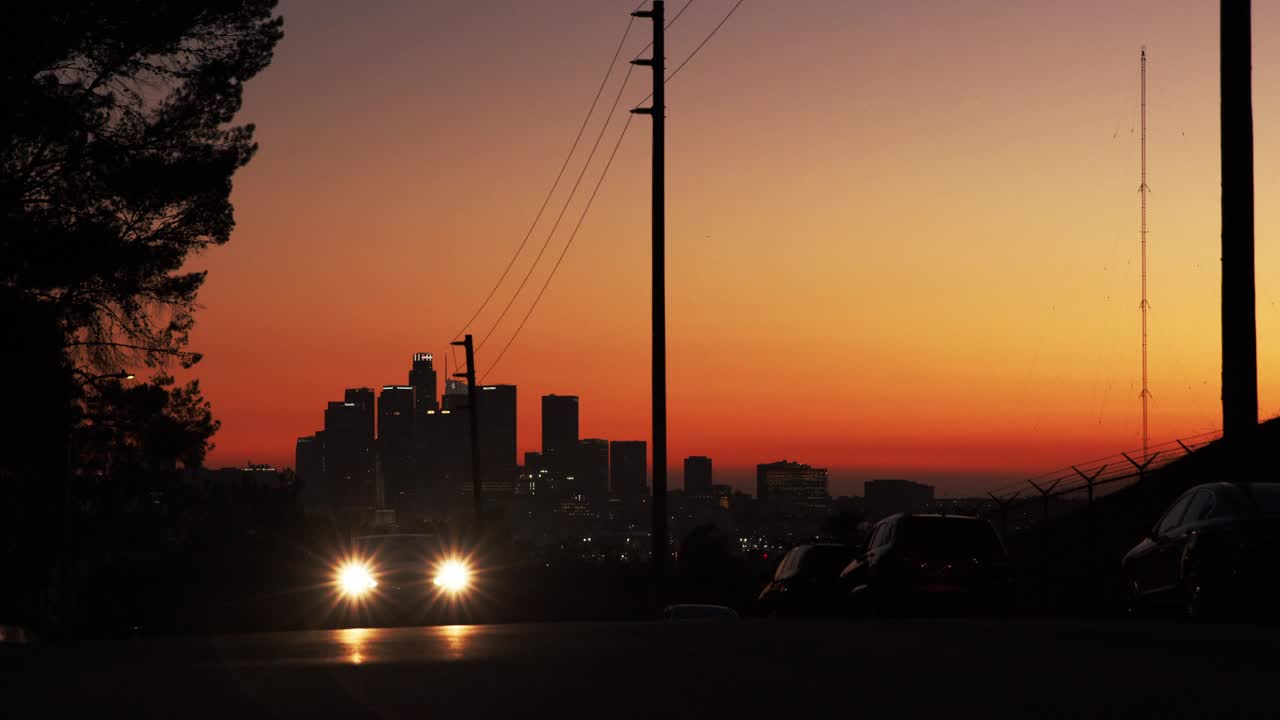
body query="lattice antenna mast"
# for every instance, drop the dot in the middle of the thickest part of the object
(1144, 305)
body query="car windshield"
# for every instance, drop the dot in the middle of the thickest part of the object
(395, 549)
(951, 535)
(1267, 495)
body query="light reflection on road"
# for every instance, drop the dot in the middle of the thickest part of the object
(359, 646)
(353, 641)
(455, 637)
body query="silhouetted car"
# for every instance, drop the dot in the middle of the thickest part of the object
(805, 581)
(698, 612)
(1215, 551)
(941, 563)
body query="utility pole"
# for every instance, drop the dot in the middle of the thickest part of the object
(657, 112)
(474, 419)
(1239, 306)
(1143, 190)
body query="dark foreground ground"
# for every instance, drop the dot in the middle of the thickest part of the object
(925, 669)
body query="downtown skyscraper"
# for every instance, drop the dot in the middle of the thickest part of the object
(396, 443)
(422, 376)
(697, 476)
(628, 474)
(560, 433)
(496, 412)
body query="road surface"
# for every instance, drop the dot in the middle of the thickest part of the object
(926, 669)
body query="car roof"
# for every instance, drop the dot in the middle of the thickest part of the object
(802, 546)
(949, 516)
(1225, 484)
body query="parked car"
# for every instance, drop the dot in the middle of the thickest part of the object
(805, 582)
(1214, 552)
(935, 563)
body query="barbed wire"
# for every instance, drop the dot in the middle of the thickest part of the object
(1104, 471)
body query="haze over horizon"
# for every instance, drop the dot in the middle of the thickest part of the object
(902, 236)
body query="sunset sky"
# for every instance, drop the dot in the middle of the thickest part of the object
(902, 235)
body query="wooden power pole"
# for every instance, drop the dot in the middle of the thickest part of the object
(658, 112)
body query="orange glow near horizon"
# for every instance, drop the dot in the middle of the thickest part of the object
(902, 236)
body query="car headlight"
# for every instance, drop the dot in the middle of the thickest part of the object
(355, 579)
(453, 576)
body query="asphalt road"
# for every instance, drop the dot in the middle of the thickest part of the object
(910, 669)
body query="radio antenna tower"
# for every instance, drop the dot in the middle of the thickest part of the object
(1144, 305)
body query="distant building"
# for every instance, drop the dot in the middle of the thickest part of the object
(363, 399)
(496, 411)
(455, 394)
(592, 474)
(628, 468)
(697, 476)
(395, 443)
(792, 486)
(249, 475)
(447, 450)
(560, 432)
(533, 462)
(348, 456)
(722, 495)
(422, 376)
(886, 497)
(308, 463)
(366, 406)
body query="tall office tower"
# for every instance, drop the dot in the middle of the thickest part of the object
(308, 463)
(363, 399)
(591, 477)
(560, 432)
(792, 486)
(366, 404)
(697, 476)
(350, 475)
(628, 460)
(496, 411)
(447, 451)
(396, 444)
(423, 379)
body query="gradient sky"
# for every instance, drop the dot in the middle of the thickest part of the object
(902, 235)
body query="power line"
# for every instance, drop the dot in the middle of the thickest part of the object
(679, 67)
(560, 175)
(572, 192)
(604, 173)
(705, 40)
(567, 202)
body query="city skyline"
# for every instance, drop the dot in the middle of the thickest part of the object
(947, 352)
(419, 426)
